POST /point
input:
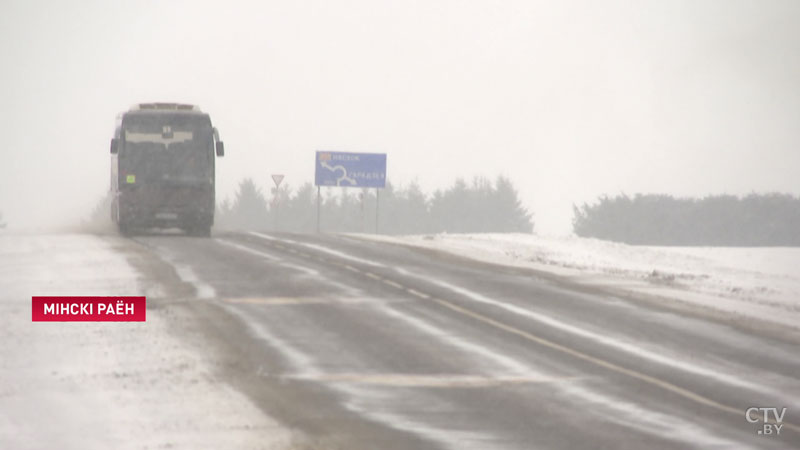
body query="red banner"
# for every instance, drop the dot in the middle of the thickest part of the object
(88, 309)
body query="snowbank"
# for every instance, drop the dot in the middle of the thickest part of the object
(761, 283)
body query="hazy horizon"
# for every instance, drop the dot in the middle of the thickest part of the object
(569, 100)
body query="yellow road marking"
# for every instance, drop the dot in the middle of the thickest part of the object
(393, 284)
(417, 293)
(351, 268)
(372, 275)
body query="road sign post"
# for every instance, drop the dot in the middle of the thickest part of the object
(277, 178)
(376, 210)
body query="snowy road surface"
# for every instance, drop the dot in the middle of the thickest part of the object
(259, 340)
(749, 283)
(109, 385)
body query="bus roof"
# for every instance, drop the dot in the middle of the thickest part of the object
(165, 107)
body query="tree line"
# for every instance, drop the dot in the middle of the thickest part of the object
(723, 220)
(480, 206)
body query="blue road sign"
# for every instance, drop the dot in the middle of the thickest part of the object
(350, 169)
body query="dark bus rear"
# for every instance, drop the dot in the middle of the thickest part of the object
(162, 169)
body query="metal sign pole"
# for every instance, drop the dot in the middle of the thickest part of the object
(363, 197)
(318, 209)
(376, 209)
(277, 178)
(277, 212)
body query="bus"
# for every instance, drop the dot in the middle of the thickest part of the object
(162, 168)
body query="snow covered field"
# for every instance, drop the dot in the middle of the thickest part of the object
(87, 385)
(760, 283)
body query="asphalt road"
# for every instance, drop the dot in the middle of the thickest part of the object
(365, 345)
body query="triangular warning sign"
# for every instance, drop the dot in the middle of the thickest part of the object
(277, 179)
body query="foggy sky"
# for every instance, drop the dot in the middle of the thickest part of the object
(571, 100)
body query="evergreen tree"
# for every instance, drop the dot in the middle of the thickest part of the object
(510, 215)
(249, 209)
(403, 210)
(300, 211)
(448, 206)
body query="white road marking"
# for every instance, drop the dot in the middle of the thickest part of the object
(248, 250)
(302, 362)
(307, 270)
(429, 381)
(504, 365)
(275, 300)
(346, 290)
(202, 289)
(323, 249)
(288, 301)
(602, 339)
